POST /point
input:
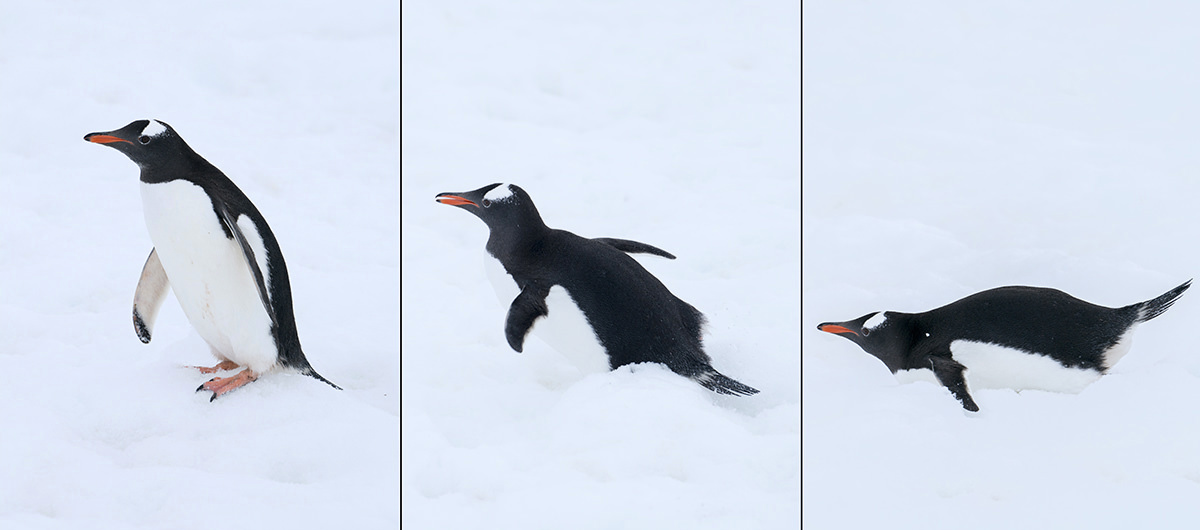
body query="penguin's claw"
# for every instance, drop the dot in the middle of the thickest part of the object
(223, 365)
(222, 385)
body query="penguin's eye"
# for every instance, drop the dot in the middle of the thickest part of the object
(866, 331)
(144, 139)
(486, 203)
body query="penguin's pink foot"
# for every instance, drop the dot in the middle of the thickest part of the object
(220, 386)
(223, 365)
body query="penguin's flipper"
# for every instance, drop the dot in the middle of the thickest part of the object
(950, 373)
(234, 229)
(634, 247)
(525, 309)
(148, 297)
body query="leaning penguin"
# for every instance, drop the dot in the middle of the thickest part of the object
(629, 314)
(215, 251)
(1008, 337)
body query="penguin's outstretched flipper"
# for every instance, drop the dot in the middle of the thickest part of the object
(634, 247)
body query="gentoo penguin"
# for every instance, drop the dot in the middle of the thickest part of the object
(630, 314)
(1007, 337)
(216, 252)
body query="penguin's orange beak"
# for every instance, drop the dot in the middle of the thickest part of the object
(834, 328)
(454, 200)
(104, 139)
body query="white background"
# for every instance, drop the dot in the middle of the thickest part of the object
(296, 102)
(952, 147)
(673, 123)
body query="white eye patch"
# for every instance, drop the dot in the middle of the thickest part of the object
(154, 128)
(875, 321)
(499, 193)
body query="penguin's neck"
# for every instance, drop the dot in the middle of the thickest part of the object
(905, 335)
(185, 167)
(508, 245)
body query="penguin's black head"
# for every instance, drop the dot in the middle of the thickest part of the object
(150, 144)
(886, 335)
(502, 206)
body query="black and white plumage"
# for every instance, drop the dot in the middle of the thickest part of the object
(215, 250)
(631, 317)
(1007, 337)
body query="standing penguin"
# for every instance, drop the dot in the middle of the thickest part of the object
(216, 252)
(1007, 337)
(630, 316)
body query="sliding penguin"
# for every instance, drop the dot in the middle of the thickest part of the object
(630, 316)
(1008, 337)
(216, 252)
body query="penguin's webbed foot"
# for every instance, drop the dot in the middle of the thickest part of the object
(220, 386)
(223, 365)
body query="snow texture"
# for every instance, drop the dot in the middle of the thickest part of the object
(672, 123)
(951, 147)
(298, 104)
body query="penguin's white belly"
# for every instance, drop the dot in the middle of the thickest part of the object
(208, 273)
(994, 366)
(502, 282)
(564, 328)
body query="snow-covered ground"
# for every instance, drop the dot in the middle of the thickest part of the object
(673, 123)
(297, 103)
(951, 147)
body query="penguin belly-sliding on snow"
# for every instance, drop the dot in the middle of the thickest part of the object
(214, 249)
(628, 316)
(1007, 337)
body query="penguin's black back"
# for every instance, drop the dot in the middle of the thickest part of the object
(1034, 319)
(635, 316)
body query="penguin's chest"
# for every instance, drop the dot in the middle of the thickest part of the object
(991, 365)
(565, 327)
(209, 274)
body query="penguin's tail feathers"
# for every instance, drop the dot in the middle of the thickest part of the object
(719, 383)
(313, 374)
(1152, 308)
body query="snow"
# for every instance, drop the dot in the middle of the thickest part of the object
(301, 111)
(672, 123)
(953, 147)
